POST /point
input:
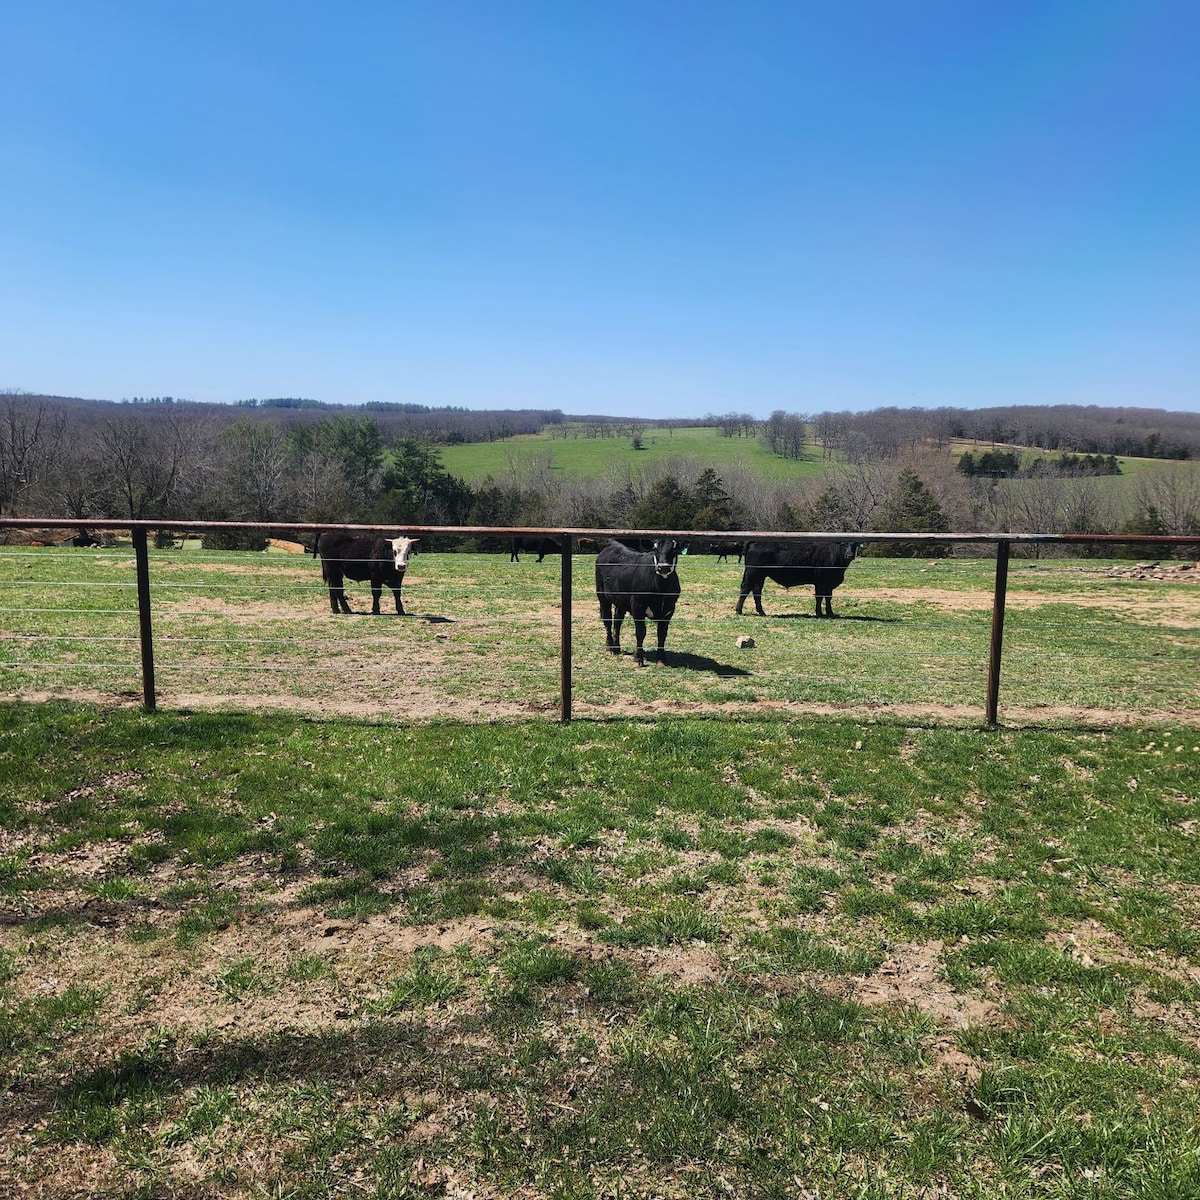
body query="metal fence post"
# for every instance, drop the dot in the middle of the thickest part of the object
(565, 662)
(993, 685)
(142, 559)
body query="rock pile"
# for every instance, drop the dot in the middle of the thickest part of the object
(1182, 572)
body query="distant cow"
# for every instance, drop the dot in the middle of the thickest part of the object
(382, 561)
(823, 564)
(719, 547)
(541, 546)
(636, 582)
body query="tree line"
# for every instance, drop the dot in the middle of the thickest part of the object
(173, 460)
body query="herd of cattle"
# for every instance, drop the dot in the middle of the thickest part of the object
(639, 580)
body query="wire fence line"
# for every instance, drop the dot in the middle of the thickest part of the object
(486, 636)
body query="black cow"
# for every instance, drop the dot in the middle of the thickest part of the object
(823, 564)
(383, 561)
(716, 546)
(541, 546)
(636, 582)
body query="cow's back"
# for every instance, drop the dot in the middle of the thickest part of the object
(358, 556)
(811, 555)
(621, 571)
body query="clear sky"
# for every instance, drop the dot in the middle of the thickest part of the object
(634, 207)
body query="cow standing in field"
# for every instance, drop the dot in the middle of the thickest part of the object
(382, 561)
(541, 546)
(823, 564)
(636, 582)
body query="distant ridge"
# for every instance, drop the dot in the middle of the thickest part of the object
(1133, 431)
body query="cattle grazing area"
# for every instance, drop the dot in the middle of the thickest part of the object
(482, 637)
(262, 954)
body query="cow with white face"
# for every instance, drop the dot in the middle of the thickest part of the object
(382, 561)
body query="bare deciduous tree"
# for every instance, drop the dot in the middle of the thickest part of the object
(150, 464)
(255, 472)
(30, 434)
(1174, 496)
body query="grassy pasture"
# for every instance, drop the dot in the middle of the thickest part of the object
(578, 457)
(781, 922)
(582, 457)
(254, 630)
(252, 955)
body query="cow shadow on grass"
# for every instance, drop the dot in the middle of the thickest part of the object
(807, 616)
(701, 662)
(428, 618)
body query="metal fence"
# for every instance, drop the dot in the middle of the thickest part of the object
(534, 656)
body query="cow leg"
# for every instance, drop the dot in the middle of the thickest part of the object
(337, 592)
(376, 593)
(612, 630)
(399, 605)
(743, 592)
(639, 627)
(618, 618)
(620, 609)
(662, 638)
(752, 583)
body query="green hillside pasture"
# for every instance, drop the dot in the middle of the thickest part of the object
(257, 955)
(582, 457)
(482, 641)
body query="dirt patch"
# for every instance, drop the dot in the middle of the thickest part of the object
(1182, 608)
(429, 704)
(912, 976)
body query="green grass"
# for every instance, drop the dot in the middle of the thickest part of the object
(247, 631)
(576, 456)
(265, 955)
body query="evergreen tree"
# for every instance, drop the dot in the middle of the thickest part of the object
(713, 505)
(417, 490)
(910, 508)
(830, 513)
(667, 505)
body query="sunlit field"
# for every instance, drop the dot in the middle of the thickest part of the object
(482, 638)
(568, 453)
(352, 913)
(254, 954)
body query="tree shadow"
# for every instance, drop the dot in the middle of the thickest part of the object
(409, 1046)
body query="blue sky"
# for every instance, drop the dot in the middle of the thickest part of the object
(656, 208)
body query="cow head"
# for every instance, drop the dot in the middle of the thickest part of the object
(666, 557)
(401, 549)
